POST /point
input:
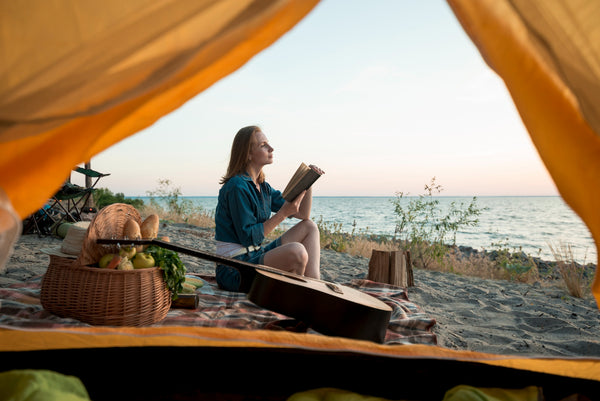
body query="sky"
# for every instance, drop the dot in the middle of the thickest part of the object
(383, 95)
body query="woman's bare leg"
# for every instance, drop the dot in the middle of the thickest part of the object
(291, 257)
(307, 233)
(300, 250)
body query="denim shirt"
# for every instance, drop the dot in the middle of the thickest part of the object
(242, 210)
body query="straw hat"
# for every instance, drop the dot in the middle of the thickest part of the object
(71, 245)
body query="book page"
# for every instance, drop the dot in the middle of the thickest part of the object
(296, 177)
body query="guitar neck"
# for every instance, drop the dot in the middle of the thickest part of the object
(212, 257)
(179, 248)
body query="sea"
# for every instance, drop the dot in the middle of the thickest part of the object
(517, 223)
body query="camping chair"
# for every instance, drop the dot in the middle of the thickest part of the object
(71, 199)
(66, 205)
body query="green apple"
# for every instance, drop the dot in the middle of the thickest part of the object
(143, 260)
(105, 260)
(127, 251)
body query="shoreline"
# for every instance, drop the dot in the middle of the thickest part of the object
(532, 233)
(474, 314)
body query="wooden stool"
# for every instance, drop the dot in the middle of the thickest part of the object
(392, 267)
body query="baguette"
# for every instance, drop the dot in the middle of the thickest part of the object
(131, 230)
(149, 227)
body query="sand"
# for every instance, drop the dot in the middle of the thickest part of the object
(491, 316)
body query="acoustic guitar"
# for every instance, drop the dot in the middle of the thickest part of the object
(329, 308)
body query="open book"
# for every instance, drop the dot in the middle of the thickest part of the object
(302, 179)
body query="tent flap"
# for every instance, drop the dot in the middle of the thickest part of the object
(548, 54)
(84, 75)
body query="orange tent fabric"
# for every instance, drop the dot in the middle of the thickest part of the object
(107, 337)
(548, 54)
(78, 77)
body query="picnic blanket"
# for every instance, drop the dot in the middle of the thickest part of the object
(20, 308)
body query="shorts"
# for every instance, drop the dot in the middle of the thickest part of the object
(233, 279)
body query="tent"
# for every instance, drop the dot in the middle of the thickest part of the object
(78, 77)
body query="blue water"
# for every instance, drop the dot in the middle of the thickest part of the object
(513, 222)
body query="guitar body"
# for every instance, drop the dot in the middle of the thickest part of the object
(328, 308)
(351, 313)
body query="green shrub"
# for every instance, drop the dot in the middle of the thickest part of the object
(426, 229)
(104, 197)
(516, 264)
(166, 201)
(332, 236)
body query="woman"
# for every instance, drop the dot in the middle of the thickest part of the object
(248, 209)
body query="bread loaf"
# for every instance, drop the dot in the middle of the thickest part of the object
(131, 230)
(149, 228)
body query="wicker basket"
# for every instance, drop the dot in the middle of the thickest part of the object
(108, 223)
(71, 288)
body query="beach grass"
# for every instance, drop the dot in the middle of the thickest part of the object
(487, 265)
(196, 217)
(572, 274)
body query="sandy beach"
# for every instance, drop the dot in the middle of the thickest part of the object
(472, 314)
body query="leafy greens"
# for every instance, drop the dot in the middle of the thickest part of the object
(171, 265)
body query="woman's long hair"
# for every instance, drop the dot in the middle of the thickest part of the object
(240, 152)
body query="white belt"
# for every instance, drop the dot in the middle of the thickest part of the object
(244, 250)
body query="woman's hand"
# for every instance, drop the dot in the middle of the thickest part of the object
(292, 208)
(288, 209)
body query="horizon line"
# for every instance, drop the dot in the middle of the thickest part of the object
(375, 196)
